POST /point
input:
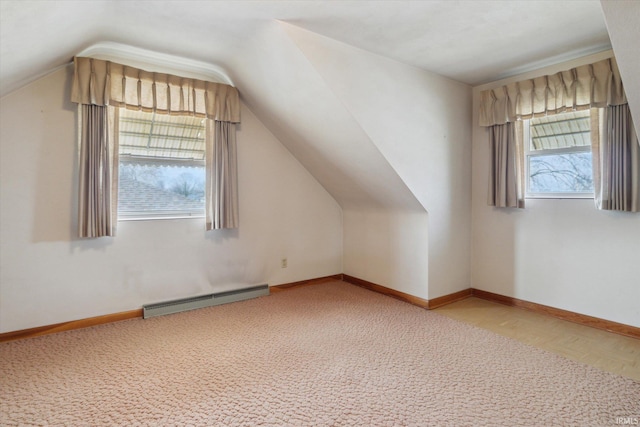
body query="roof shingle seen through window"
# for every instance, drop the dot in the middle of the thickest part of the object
(135, 196)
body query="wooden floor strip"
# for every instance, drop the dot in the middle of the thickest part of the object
(606, 325)
(387, 291)
(448, 299)
(611, 352)
(68, 326)
(317, 280)
(582, 319)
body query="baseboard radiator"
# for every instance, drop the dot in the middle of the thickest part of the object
(176, 306)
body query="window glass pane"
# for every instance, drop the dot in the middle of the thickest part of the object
(158, 190)
(561, 131)
(161, 165)
(561, 173)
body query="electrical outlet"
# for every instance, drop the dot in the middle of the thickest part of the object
(283, 263)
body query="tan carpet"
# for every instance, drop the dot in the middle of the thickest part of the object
(323, 355)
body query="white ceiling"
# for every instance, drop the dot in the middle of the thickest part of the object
(469, 41)
(274, 51)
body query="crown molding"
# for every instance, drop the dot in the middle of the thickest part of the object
(156, 62)
(541, 68)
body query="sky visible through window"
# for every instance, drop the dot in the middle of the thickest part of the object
(561, 173)
(559, 158)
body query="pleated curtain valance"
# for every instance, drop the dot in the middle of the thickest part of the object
(594, 85)
(99, 82)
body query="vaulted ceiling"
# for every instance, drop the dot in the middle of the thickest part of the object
(275, 52)
(468, 41)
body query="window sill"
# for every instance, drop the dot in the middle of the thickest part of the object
(561, 196)
(158, 218)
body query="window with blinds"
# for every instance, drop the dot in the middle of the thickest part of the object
(558, 155)
(161, 169)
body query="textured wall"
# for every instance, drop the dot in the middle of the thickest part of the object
(47, 275)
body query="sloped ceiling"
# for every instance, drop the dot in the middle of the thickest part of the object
(302, 111)
(468, 41)
(623, 23)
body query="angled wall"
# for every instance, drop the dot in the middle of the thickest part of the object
(47, 275)
(420, 123)
(622, 18)
(293, 100)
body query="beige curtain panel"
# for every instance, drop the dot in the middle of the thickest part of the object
(222, 176)
(506, 177)
(98, 164)
(101, 88)
(616, 160)
(587, 86)
(101, 82)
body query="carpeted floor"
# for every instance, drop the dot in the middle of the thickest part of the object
(325, 355)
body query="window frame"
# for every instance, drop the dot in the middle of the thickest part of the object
(529, 153)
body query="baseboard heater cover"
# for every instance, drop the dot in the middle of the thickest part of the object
(184, 304)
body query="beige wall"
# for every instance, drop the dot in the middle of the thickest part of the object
(561, 253)
(47, 275)
(420, 123)
(388, 247)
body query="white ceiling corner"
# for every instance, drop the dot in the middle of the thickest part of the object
(623, 22)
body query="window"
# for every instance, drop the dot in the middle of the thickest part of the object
(161, 169)
(558, 156)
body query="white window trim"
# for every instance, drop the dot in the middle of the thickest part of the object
(528, 153)
(159, 215)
